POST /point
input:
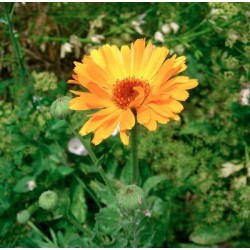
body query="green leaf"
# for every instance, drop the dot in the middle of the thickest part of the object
(64, 171)
(78, 203)
(214, 234)
(22, 186)
(102, 192)
(152, 182)
(3, 20)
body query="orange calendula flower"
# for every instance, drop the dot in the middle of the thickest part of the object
(129, 84)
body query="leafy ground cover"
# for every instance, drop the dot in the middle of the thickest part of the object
(195, 173)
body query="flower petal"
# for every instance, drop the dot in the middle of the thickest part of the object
(127, 120)
(151, 125)
(124, 137)
(154, 63)
(143, 115)
(97, 120)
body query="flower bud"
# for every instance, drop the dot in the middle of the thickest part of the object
(48, 200)
(60, 108)
(23, 216)
(129, 198)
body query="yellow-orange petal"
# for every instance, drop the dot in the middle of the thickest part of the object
(106, 129)
(179, 94)
(137, 50)
(124, 137)
(151, 125)
(174, 105)
(161, 108)
(127, 120)
(87, 101)
(163, 74)
(97, 120)
(143, 115)
(158, 117)
(139, 99)
(97, 90)
(155, 61)
(126, 54)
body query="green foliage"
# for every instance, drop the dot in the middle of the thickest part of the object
(194, 173)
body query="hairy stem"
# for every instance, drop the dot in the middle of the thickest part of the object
(134, 155)
(14, 42)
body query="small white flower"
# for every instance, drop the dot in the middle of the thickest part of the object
(31, 185)
(165, 28)
(137, 27)
(245, 96)
(174, 26)
(147, 213)
(75, 147)
(179, 49)
(159, 36)
(65, 48)
(97, 38)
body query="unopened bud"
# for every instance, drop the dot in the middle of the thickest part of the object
(60, 108)
(23, 216)
(129, 198)
(48, 200)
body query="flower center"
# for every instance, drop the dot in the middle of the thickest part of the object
(130, 92)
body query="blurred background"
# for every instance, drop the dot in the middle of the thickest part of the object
(196, 171)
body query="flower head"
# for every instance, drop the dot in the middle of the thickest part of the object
(130, 84)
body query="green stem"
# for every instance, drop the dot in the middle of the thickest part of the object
(134, 155)
(106, 180)
(135, 233)
(246, 153)
(38, 231)
(14, 42)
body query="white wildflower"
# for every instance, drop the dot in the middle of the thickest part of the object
(245, 95)
(137, 27)
(159, 36)
(147, 213)
(179, 49)
(75, 147)
(31, 185)
(166, 28)
(97, 38)
(174, 26)
(65, 48)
